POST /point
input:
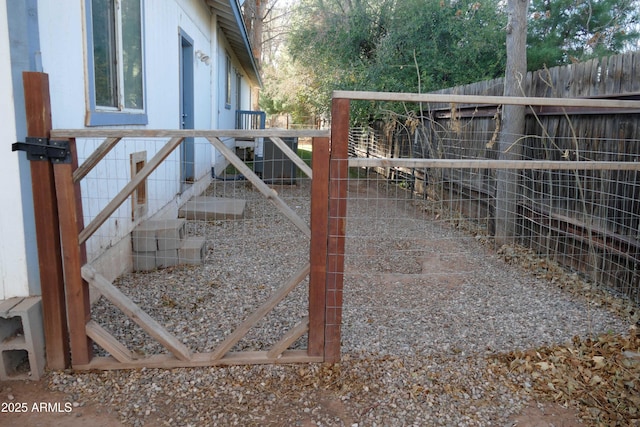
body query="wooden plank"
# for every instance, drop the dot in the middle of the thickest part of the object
(493, 164)
(626, 76)
(167, 361)
(73, 149)
(318, 245)
(95, 157)
(338, 181)
(56, 334)
(134, 312)
(292, 155)
(188, 133)
(612, 83)
(635, 71)
(260, 312)
(105, 340)
(115, 203)
(77, 293)
(268, 192)
(476, 99)
(600, 86)
(289, 338)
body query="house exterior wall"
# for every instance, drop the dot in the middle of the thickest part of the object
(227, 112)
(64, 59)
(62, 54)
(18, 255)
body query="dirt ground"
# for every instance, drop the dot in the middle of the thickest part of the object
(15, 394)
(57, 414)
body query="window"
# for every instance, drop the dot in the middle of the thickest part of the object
(116, 66)
(227, 86)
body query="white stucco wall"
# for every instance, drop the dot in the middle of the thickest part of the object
(13, 264)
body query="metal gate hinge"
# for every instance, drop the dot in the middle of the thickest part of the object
(44, 149)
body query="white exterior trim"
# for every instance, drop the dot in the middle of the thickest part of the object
(13, 263)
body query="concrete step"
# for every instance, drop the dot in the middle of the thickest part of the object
(205, 208)
(193, 250)
(160, 234)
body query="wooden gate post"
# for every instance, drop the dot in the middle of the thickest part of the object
(38, 111)
(318, 246)
(338, 181)
(75, 256)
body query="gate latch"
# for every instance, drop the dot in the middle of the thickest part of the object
(44, 149)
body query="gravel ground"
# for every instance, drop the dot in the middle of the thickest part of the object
(427, 306)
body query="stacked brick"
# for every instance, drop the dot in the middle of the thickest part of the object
(163, 243)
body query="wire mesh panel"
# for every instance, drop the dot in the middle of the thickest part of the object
(423, 276)
(245, 261)
(454, 249)
(200, 269)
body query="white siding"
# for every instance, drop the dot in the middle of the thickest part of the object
(13, 263)
(63, 44)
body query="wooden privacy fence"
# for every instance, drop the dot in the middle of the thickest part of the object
(585, 220)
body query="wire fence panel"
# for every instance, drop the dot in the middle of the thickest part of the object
(423, 276)
(459, 242)
(215, 250)
(587, 218)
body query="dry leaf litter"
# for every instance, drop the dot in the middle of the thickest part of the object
(438, 328)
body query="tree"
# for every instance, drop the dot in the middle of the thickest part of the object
(423, 46)
(387, 45)
(513, 120)
(443, 44)
(565, 31)
(288, 87)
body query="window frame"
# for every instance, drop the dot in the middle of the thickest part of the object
(112, 116)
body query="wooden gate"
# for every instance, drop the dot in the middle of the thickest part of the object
(69, 298)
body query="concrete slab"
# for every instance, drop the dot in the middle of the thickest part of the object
(167, 258)
(193, 250)
(144, 261)
(205, 208)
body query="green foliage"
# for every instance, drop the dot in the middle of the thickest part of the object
(437, 45)
(565, 31)
(396, 46)
(423, 46)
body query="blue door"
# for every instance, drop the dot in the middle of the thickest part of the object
(187, 157)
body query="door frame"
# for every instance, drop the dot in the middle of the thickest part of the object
(187, 109)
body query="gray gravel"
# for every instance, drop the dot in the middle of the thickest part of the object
(424, 304)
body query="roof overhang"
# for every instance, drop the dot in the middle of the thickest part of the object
(232, 25)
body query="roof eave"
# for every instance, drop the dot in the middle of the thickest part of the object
(232, 25)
